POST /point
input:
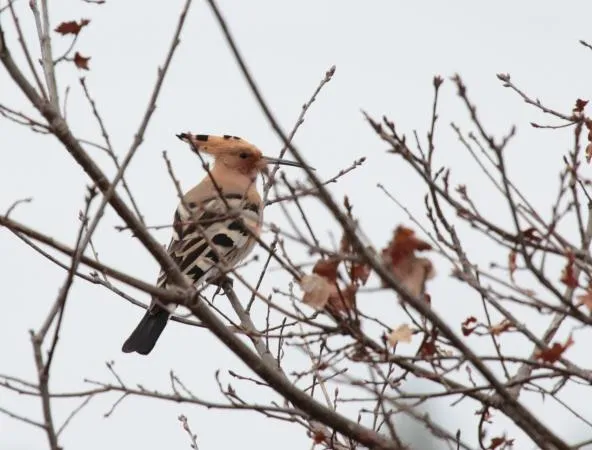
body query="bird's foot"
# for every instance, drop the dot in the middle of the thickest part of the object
(223, 280)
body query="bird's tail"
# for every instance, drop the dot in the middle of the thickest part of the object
(146, 334)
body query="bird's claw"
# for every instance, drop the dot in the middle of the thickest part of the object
(222, 281)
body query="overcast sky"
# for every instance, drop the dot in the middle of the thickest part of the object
(386, 53)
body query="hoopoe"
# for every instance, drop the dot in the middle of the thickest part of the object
(205, 227)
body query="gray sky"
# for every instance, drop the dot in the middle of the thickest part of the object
(386, 54)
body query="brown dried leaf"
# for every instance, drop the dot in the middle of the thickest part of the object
(501, 327)
(317, 291)
(404, 244)
(586, 299)
(469, 325)
(400, 257)
(568, 276)
(580, 105)
(360, 272)
(413, 273)
(512, 264)
(71, 27)
(402, 333)
(327, 268)
(497, 441)
(428, 347)
(553, 353)
(318, 437)
(588, 152)
(81, 61)
(342, 299)
(327, 293)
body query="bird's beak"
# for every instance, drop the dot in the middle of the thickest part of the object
(269, 160)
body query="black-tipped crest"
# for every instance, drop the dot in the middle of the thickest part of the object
(233, 145)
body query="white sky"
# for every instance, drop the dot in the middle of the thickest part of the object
(386, 53)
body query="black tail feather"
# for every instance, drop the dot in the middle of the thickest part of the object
(146, 334)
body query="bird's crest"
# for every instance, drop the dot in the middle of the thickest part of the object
(219, 145)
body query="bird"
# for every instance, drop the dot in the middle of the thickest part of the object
(205, 229)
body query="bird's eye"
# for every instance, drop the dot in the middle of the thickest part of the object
(244, 155)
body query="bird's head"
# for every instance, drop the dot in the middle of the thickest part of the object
(233, 153)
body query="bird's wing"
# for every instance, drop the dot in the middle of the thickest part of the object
(223, 230)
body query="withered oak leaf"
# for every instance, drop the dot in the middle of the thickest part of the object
(71, 27)
(81, 61)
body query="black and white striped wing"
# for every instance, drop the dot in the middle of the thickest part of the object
(226, 232)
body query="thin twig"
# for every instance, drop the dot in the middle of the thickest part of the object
(26, 52)
(43, 28)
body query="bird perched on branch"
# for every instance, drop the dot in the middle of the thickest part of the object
(213, 226)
